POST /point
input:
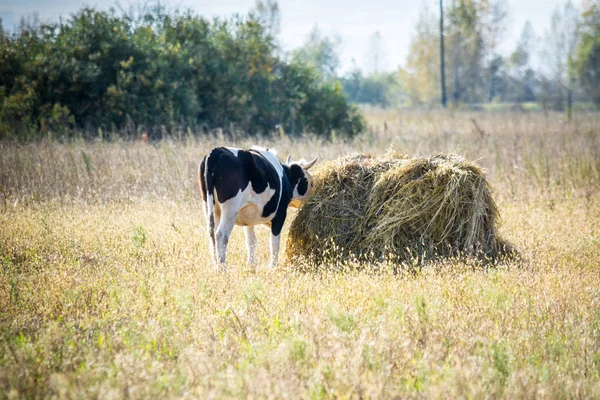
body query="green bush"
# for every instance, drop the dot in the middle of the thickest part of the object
(102, 70)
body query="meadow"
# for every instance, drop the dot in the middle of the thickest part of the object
(107, 289)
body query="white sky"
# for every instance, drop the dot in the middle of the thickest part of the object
(353, 20)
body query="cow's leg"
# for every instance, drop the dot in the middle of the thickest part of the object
(210, 224)
(222, 238)
(275, 239)
(250, 243)
(229, 211)
(213, 218)
(276, 227)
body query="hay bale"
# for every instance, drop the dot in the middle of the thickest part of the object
(395, 208)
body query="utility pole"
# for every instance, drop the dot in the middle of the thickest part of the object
(442, 72)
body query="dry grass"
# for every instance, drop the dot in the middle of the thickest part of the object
(106, 289)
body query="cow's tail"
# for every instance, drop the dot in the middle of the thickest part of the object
(206, 176)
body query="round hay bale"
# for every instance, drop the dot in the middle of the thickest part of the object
(395, 208)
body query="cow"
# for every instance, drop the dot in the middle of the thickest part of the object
(247, 188)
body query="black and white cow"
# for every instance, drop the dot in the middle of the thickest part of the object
(247, 188)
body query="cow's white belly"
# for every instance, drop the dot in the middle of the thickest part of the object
(252, 206)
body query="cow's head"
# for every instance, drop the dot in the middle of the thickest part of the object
(300, 179)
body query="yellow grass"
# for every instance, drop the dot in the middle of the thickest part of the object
(106, 288)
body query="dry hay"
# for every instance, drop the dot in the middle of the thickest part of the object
(397, 209)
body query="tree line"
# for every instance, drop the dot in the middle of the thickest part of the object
(476, 72)
(156, 70)
(161, 70)
(552, 70)
(567, 56)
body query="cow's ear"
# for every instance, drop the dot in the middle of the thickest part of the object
(310, 164)
(287, 160)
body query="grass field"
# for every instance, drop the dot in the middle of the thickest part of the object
(107, 289)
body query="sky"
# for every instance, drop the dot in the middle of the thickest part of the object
(355, 21)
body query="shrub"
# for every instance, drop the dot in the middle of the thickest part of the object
(102, 70)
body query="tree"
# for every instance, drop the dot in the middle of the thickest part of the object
(473, 29)
(267, 14)
(319, 52)
(375, 54)
(560, 45)
(464, 41)
(141, 13)
(495, 18)
(162, 70)
(420, 76)
(587, 59)
(443, 58)
(381, 89)
(523, 77)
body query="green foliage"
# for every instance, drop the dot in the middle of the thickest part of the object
(474, 70)
(587, 62)
(421, 75)
(139, 236)
(342, 320)
(102, 70)
(320, 53)
(500, 359)
(464, 35)
(465, 27)
(381, 89)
